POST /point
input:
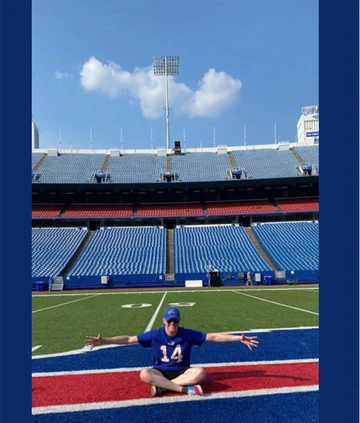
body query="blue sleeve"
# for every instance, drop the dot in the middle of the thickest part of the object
(145, 339)
(197, 338)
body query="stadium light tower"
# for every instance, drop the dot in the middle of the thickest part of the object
(166, 65)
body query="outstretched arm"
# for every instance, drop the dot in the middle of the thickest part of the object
(95, 341)
(249, 341)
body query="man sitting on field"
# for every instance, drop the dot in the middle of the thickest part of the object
(172, 345)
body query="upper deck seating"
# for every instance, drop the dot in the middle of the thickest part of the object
(35, 158)
(136, 168)
(201, 166)
(70, 168)
(267, 163)
(310, 154)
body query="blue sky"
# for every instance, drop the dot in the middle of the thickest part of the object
(241, 63)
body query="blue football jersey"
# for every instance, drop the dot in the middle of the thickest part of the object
(171, 352)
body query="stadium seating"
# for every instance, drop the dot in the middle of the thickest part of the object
(291, 245)
(46, 211)
(310, 154)
(297, 204)
(92, 210)
(136, 168)
(52, 248)
(123, 251)
(201, 166)
(226, 248)
(169, 210)
(191, 167)
(267, 163)
(70, 168)
(35, 158)
(240, 207)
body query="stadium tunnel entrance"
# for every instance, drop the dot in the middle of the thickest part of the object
(170, 223)
(94, 225)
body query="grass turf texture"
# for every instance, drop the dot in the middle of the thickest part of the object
(60, 322)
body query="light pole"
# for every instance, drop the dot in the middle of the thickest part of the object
(166, 65)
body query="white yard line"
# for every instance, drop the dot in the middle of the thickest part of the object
(250, 289)
(150, 325)
(62, 304)
(163, 400)
(274, 302)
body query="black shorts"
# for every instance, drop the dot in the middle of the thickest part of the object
(171, 374)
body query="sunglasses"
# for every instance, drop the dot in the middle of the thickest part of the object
(175, 321)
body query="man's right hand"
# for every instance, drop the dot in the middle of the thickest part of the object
(93, 341)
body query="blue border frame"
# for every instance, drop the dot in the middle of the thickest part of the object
(339, 211)
(15, 210)
(339, 293)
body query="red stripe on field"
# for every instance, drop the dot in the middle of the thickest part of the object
(120, 386)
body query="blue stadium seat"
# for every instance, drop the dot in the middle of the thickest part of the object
(226, 248)
(52, 248)
(290, 245)
(123, 251)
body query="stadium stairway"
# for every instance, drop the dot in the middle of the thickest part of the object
(39, 163)
(168, 164)
(170, 251)
(260, 248)
(233, 163)
(203, 206)
(275, 205)
(135, 208)
(298, 157)
(105, 164)
(77, 254)
(63, 210)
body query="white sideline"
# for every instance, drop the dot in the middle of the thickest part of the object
(160, 400)
(172, 291)
(274, 302)
(62, 304)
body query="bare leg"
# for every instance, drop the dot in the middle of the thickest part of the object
(154, 377)
(192, 376)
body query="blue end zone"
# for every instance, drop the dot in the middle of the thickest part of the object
(275, 345)
(285, 408)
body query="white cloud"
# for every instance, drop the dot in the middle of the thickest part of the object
(216, 92)
(62, 75)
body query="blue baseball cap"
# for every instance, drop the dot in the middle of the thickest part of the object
(172, 313)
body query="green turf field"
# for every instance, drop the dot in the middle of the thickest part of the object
(60, 321)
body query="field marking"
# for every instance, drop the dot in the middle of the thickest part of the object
(274, 302)
(62, 304)
(205, 365)
(175, 399)
(152, 321)
(35, 348)
(250, 289)
(84, 350)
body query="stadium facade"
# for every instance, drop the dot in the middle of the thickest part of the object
(174, 217)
